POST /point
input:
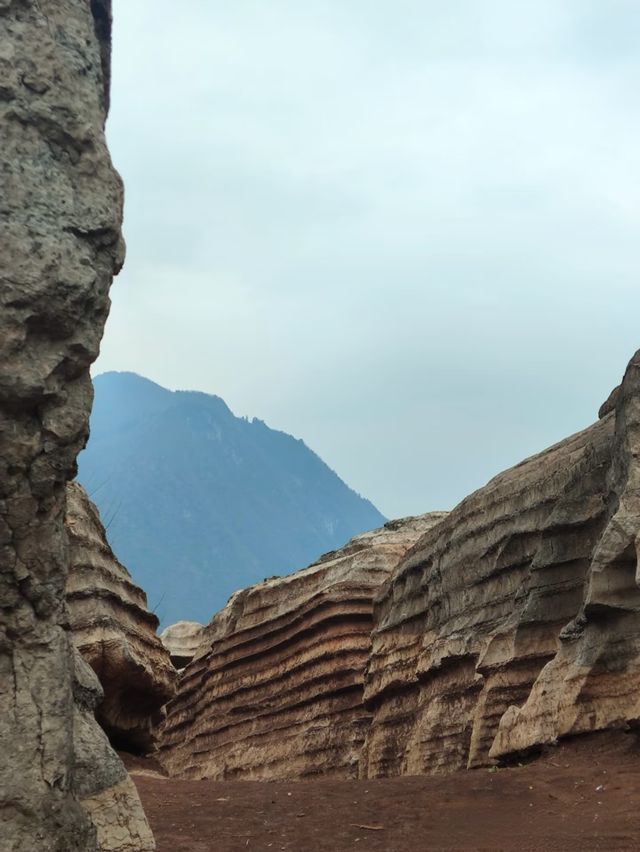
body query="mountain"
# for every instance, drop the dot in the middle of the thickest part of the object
(199, 503)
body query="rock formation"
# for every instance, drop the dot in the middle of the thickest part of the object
(114, 631)
(182, 640)
(275, 690)
(61, 787)
(517, 619)
(593, 682)
(510, 622)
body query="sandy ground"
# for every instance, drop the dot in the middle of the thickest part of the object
(581, 795)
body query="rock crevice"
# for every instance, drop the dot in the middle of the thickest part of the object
(114, 631)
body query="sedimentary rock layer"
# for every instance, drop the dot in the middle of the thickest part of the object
(275, 690)
(593, 682)
(61, 787)
(182, 640)
(114, 631)
(517, 619)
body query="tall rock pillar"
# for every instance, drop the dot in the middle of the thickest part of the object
(60, 246)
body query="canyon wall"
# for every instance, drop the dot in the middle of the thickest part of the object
(182, 641)
(496, 629)
(61, 786)
(114, 631)
(593, 681)
(517, 619)
(275, 689)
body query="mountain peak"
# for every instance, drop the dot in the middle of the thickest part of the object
(199, 502)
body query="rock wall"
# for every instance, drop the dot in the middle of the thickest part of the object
(61, 788)
(593, 681)
(182, 640)
(508, 623)
(275, 690)
(517, 619)
(114, 631)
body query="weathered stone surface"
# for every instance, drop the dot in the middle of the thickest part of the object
(593, 682)
(100, 781)
(182, 640)
(114, 631)
(275, 690)
(526, 596)
(60, 245)
(609, 404)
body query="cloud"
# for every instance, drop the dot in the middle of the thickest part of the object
(406, 232)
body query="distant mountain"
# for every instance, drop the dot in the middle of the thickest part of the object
(199, 503)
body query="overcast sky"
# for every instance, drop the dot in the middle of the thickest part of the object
(406, 231)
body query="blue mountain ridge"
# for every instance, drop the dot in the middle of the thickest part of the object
(199, 503)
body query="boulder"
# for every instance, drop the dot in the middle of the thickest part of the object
(114, 631)
(516, 620)
(61, 786)
(275, 689)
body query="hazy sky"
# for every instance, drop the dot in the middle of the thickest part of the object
(406, 231)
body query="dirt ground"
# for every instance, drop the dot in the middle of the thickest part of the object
(581, 795)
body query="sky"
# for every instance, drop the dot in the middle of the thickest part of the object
(405, 231)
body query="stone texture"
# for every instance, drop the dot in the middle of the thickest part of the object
(60, 245)
(114, 631)
(182, 640)
(610, 403)
(593, 682)
(100, 781)
(119, 819)
(275, 690)
(517, 619)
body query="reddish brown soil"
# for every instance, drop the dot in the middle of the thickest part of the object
(582, 795)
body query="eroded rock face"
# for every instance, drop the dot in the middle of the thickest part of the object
(593, 682)
(275, 690)
(60, 245)
(517, 619)
(114, 631)
(182, 640)
(100, 781)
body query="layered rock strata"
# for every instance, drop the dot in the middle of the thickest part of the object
(517, 619)
(61, 787)
(275, 690)
(182, 641)
(114, 631)
(593, 681)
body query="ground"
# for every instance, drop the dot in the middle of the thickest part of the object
(583, 794)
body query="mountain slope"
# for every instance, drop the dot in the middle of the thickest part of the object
(199, 503)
